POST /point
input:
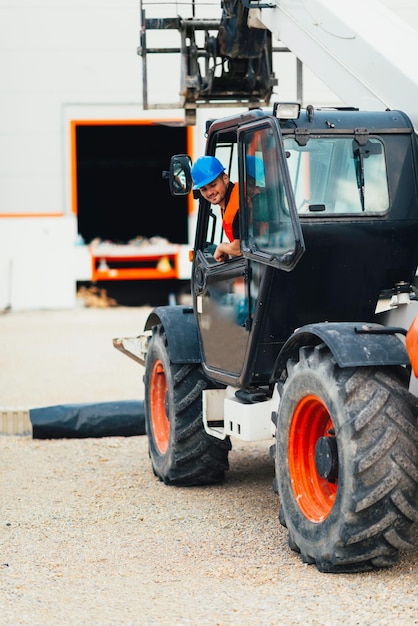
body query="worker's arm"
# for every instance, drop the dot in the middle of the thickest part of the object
(227, 249)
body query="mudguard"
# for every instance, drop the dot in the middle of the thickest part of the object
(353, 344)
(181, 331)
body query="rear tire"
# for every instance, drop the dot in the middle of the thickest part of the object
(346, 463)
(181, 452)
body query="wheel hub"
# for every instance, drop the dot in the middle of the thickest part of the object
(326, 458)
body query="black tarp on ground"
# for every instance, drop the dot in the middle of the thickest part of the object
(103, 419)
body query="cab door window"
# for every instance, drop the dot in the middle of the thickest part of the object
(271, 229)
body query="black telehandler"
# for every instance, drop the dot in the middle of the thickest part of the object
(302, 340)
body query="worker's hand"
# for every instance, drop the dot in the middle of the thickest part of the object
(225, 250)
(220, 256)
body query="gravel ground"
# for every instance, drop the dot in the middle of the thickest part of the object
(58, 357)
(90, 537)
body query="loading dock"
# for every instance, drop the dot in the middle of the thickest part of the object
(133, 227)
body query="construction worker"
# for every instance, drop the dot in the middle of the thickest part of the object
(210, 178)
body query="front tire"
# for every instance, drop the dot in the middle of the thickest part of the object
(346, 462)
(181, 452)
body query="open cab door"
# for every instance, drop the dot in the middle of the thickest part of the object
(270, 228)
(228, 296)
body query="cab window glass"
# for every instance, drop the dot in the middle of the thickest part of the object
(269, 222)
(336, 175)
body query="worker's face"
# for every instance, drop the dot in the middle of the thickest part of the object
(215, 191)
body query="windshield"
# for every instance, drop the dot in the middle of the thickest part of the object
(336, 175)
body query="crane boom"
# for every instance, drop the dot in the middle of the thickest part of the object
(360, 49)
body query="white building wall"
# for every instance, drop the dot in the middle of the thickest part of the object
(54, 56)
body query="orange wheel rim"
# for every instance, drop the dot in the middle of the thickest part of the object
(315, 495)
(158, 404)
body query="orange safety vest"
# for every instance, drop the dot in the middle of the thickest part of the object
(230, 212)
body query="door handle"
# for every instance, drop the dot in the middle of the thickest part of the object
(199, 279)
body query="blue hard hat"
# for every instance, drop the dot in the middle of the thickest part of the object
(205, 170)
(255, 169)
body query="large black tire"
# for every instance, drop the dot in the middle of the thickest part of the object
(346, 461)
(181, 452)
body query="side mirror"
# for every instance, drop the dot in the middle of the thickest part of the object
(179, 177)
